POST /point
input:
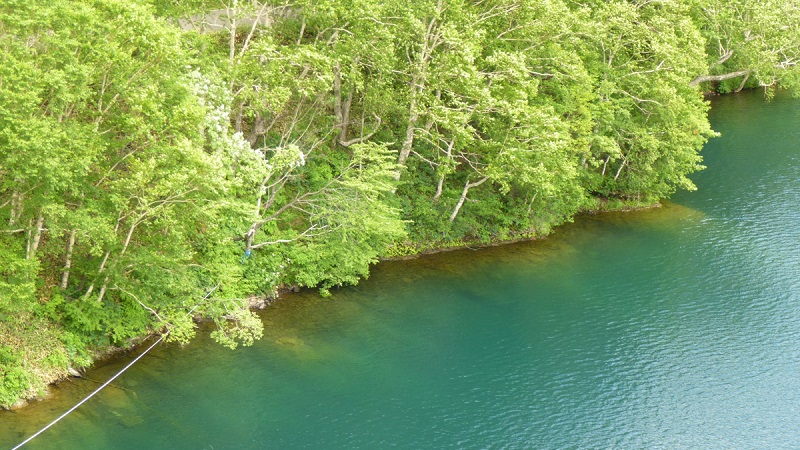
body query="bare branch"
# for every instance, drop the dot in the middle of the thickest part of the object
(363, 138)
(724, 57)
(305, 234)
(152, 311)
(256, 21)
(642, 72)
(463, 198)
(723, 77)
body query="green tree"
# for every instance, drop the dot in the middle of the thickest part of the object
(749, 40)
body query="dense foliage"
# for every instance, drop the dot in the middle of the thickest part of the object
(165, 161)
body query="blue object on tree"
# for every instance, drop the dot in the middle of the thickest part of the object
(245, 256)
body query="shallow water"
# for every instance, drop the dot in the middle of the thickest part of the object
(677, 327)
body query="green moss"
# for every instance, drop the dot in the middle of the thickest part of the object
(32, 356)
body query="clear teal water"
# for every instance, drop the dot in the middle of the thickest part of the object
(671, 328)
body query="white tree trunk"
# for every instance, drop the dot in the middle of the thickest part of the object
(36, 237)
(463, 198)
(68, 258)
(440, 185)
(413, 116)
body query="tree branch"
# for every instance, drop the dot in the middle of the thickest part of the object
(463, 198)
(306, 233)
(362, 138)
(723, 77)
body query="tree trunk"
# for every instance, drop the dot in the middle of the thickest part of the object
(16, 208)
(103, 266)
(68, 259)
(413, 116)
(337, 97)
(621, 166)
(102, 290)
(99, 271)
(121, 254)
(530, 204)
(440, 185)
(37, 237)
(231, 11)
(345, 117)
(258, 130)
(744, 80)
(463, 198)
(341, 109)
(430, 40)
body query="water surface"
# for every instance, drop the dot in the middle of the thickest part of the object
(671, 328)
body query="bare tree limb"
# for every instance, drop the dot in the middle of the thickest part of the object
(463, 198)
(304, 234)
(723, 77)
(363, 138)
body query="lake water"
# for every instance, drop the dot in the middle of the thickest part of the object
(671, 328)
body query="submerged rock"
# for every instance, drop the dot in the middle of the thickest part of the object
(21, 403)
(129, 420)
(290, 341)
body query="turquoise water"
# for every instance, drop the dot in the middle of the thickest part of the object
(671, 328)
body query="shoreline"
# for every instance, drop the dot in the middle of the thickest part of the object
(106, 355)
(431, 248)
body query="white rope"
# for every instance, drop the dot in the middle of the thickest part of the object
(89, 396)
(160, 338)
